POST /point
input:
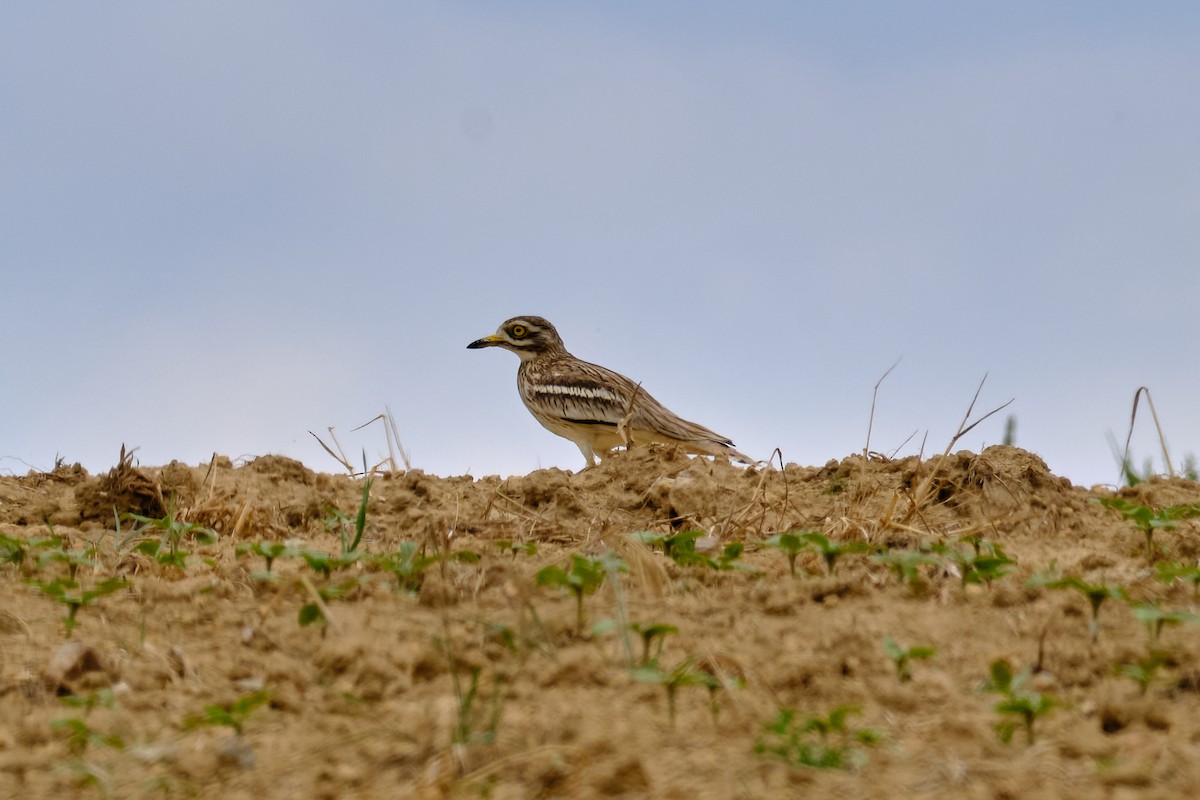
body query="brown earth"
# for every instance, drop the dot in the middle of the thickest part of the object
(375, 698)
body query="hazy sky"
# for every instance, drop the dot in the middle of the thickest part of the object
(224, 224)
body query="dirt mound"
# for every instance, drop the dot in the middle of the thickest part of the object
(656, 626)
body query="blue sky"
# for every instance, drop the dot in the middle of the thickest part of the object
(223, 225)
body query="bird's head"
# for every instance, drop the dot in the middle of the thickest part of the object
(528, 337)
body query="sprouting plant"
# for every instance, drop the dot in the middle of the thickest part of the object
(903, 657)
(350, 531)
(791, 545)
(1142, 673)
(730, 558)
(983, 563)
(73, 559)
(233, 715)
(1096, 594)
(360, 519)
(1020, 702)
(72, 595)
(819, 742)
(269, 552)
(585, 575)
(513, 548)
(408, 563)
(315, 611)
(103, 698)
(78, 733)
(685, 673)
(171, 533)
(1170, 571)
(654, 636)
(1147, 520)
(465, 732)
(907, 564)
(681, 548)
(1156, 618)
(325, 563)
(831, 550)
(13, 550)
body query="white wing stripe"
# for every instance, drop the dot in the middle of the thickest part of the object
(586, 392)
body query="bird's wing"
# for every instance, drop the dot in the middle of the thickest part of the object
(581, 392)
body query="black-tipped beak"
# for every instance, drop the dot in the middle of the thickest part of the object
(487, 341)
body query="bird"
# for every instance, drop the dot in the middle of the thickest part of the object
(596, 408)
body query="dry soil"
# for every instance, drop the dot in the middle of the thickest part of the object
(469, 679)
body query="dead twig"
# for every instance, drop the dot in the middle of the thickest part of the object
(871, 419)
(623, 426)
(922, 491)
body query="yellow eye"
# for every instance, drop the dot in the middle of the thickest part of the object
(518, 331)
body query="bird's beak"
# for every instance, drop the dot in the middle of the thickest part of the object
(487, 341)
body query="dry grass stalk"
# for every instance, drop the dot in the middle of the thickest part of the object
(871, 419)
(340, 455)
(1162, 440)
(921, 495)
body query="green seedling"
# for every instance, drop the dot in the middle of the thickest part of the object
(1142, 673)
(162, 554)
(1170, 571)
(74, 597)
(820, 742)
(409, 563)
(1020, 702)
(104, 698)
(653, 637)
(80, 736)
(350, 531)
(171, 532)
(233, 716)
(585, 575)
(1147, 520)
(1096, 594)
(465, 732)
(360, 519)
(903, 657)
(326, 563)
(679, 547)
(269, 552)
(13, 550)
(314, 612)
(983, 563)
(830, 550)
(513, 548)
(1155, 618)
(907, 564)
(73, 559)
(791, 545)
(685, 673)
(730, 558)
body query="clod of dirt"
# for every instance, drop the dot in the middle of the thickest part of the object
(282, 469)
(125, 488)
(74, 666)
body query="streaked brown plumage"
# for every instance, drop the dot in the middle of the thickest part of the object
(587, 403)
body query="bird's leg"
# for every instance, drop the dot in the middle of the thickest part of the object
(588, 454)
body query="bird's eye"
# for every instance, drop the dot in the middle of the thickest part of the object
(518, 331)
